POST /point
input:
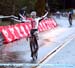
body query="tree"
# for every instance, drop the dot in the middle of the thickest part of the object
(8, 7)
(56, 4)
(40, 7)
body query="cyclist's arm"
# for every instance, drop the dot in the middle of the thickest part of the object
(41, 18)
(45, 15)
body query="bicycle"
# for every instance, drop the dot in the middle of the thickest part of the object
(34, 44)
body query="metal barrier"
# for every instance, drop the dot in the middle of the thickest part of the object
(11, 17)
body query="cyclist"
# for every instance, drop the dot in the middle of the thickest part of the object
(70, 18)
(34, 31)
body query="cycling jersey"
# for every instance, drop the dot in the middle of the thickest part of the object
(36, 21)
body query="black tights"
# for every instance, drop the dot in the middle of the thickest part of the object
(34, 46)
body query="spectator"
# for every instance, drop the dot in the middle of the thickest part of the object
(22, 15)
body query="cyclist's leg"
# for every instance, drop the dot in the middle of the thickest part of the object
(36, 47)
(32, 45)
(36, 40)
(36, 43)
(31, 48)
(70, 21)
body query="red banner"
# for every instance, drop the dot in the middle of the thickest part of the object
(14, 32)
